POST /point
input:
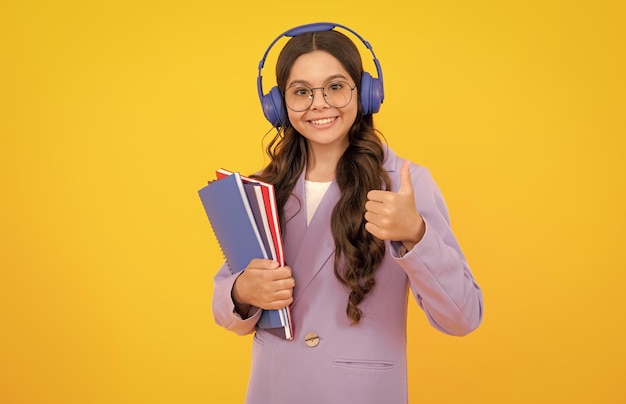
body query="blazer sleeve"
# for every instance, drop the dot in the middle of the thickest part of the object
(439, 275)
(224, 308)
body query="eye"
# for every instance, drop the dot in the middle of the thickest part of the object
(334, 86)
(301, 91)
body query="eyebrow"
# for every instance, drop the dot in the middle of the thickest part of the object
(330, 78)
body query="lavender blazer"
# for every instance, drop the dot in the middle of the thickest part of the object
(364, 363)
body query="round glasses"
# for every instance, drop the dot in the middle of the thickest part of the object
(337, 94)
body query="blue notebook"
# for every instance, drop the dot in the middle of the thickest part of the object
(231, 217)
(235, 222)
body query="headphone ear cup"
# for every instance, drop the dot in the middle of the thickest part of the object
(272, 104)
(371, 94)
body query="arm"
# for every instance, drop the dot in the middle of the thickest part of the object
(416, 220)
(223, 307)
(439, 275)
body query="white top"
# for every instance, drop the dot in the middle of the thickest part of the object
(314, 192)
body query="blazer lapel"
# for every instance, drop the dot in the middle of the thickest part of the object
(307, 249)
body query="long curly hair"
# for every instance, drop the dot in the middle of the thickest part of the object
(359, 170)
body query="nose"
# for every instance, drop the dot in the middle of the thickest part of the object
(319, 101)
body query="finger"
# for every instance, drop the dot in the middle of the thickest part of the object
(271, 279)
(406, 186)
(277, 304)
(373, 229)
(262, 263)
(376, 195)
(286, 285)
(373, 207)
(281, 273)
(282, 296)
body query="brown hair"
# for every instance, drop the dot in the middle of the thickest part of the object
(359, 170)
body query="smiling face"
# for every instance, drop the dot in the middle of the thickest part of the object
(322, 124)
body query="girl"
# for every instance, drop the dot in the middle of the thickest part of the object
(361, 228)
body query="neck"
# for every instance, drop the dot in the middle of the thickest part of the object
(322, 162)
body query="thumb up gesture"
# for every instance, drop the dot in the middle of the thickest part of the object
(393, 215)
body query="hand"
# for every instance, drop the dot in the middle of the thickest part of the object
(263, 284)
(393, 215)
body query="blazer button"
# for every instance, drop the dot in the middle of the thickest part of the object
(312, 339)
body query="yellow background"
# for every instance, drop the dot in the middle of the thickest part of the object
(114, 113)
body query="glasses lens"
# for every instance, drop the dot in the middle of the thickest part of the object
(338, 94)
(300, 97)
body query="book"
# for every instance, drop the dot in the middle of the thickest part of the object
(271, 211)
(269, 318)
(231, 217)
(258, 211)
(243, 214)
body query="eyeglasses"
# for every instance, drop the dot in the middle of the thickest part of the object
(337, 94)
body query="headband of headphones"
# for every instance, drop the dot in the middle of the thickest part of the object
(371, 95)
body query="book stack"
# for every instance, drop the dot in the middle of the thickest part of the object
(243, 214)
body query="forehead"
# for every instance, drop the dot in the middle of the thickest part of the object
(315, 68)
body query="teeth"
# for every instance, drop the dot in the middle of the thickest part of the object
(322, 121)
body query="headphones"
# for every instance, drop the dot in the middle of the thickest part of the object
(371, 89)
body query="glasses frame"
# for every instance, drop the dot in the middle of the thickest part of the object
(312, 96)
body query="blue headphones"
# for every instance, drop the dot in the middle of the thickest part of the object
(372, 93)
